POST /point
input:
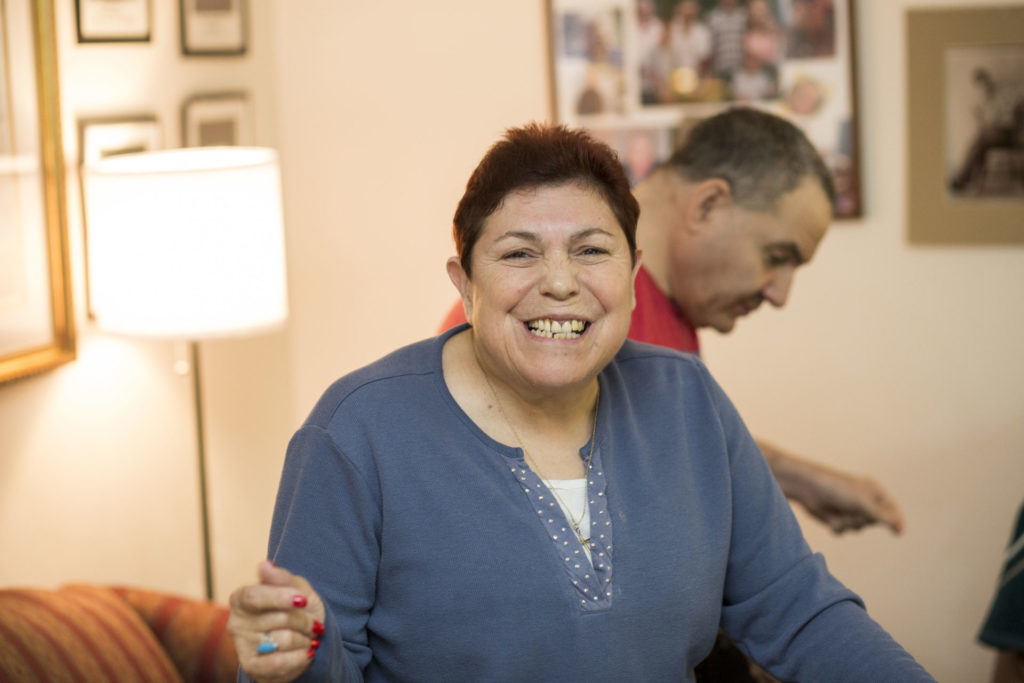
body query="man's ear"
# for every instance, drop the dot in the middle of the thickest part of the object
(708, 197)
(460, 279)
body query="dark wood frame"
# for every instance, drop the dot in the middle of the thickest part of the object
(190, 105)
(224, 51)
(143, 38)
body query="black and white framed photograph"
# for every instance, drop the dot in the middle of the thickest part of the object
(214, 27)
(113, 21)
(965, 125)
(212, 119)
(984, 107)
(620, 67)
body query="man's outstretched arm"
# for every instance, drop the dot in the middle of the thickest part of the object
(842, 501)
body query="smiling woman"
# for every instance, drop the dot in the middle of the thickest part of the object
(532, 497)
(547, 257)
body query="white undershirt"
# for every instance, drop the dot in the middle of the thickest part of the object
(571, 495)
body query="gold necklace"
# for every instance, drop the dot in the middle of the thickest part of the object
(573, 522)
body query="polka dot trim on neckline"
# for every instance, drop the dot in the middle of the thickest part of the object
(590, 578)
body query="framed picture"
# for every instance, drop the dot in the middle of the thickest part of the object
(214, 27)
(101, 137)
(216, 119)
(113, 21)
(639, 73)
(36, 322)
(965, 125)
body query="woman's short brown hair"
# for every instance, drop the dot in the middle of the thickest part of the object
(538, 155)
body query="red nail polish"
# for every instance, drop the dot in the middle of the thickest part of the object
(318, 628)
(309, 653)
(272, 564)
(299, 601)
(314, 643)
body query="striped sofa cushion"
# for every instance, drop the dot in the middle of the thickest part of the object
(77, 633)
(192, 633)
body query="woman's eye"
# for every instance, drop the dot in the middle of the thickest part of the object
(593, 251)
(517, 254)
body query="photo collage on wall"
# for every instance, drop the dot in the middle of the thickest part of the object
(639, 73)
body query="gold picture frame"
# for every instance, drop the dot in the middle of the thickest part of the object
(36, 322)
(947, 52)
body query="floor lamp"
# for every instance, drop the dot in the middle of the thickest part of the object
(187, 244)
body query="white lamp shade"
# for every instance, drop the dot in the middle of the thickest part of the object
(186, 243)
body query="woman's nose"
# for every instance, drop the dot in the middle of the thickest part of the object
(559, 278)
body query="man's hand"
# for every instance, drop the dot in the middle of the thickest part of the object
(840, 500)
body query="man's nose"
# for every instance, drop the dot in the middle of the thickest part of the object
(777, 290)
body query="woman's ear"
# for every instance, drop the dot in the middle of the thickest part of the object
(636, 269)
(459, 278)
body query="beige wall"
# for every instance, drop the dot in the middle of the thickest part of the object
(97, 458)
(385, 112)
(892, 360)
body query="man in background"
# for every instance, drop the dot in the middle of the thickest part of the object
(724, 224)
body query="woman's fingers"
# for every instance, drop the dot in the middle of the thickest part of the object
(275, 624)
(272, 645)
(271, 574)
(278, 640)
(302, 593)
(260, 598)
(292, 620)
(283, 664)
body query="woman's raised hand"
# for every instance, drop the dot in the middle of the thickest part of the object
(276, 625)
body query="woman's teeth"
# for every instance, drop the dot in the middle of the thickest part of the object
(554, 329)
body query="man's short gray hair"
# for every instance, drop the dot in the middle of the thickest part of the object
(760, 155)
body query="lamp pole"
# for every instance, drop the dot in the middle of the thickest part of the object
(204, 512)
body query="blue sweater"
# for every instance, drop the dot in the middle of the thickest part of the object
(440, 558)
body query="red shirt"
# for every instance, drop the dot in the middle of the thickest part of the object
(656, 320)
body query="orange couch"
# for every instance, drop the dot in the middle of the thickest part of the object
(110, 633)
